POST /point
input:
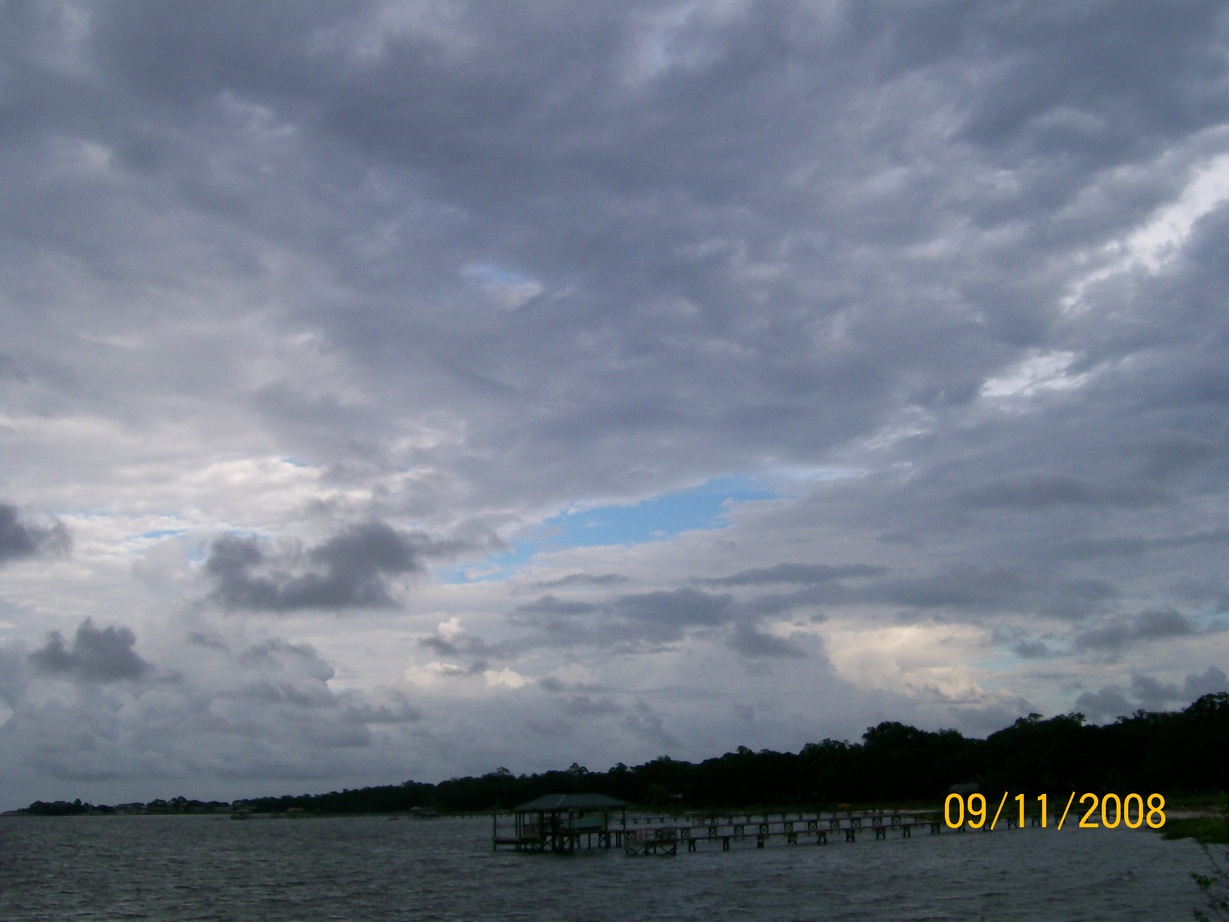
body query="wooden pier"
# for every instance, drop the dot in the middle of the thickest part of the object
(539, 828)
(792, 829)
(560, 822)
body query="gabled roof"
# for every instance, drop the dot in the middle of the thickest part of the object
(551, 802)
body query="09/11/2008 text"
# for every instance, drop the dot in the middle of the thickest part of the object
(1106, 811)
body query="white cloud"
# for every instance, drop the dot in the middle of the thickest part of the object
(505, 677)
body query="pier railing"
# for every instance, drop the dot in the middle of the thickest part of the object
(661, 834)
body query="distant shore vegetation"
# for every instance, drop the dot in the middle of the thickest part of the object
(1177, 754)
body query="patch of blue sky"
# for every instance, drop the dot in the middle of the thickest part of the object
(158, 533)
(490, 274)
(658, 518)
(503, 288)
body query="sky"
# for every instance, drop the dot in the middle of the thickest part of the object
(408, 390)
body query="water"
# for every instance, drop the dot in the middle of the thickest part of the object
(357, 869)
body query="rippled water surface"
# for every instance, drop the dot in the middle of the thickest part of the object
(354, 869)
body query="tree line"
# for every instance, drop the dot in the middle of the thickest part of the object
(1172, 753)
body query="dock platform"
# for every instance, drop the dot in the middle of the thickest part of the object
(651, 834)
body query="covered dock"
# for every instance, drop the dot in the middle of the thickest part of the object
(560, 822)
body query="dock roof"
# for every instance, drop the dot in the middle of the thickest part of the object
(549, 802)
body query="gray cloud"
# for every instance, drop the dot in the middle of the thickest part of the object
(965, 587)
(472, 651)
(1154, 695)
(1030, 649)
(1211, 682)
(588, 706)
(264, 711)
(283, 655)
(1151, 694)
(749, 642)
(644, 722)
(397, 711)
(208, 641)
(1172, 454)
(349, 570)
(1104, 705)
(13, 669)
(795, 573)
(629, 622)
(676, 608)
(1042, 491)
(583, 579)
(553, 605)
(1133, 546)
(1146, 626)
(20, 539)
(1154, 624)
(94, 655)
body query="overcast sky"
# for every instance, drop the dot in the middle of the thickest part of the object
(406, 390)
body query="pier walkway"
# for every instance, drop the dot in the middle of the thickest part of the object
(642, 835)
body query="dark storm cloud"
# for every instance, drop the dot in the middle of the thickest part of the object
(550, 604)
(676, 607)
(1171, 454)
(674, 610)
(1103, 705)
(350, 570)
(1030, 649)
(207, 641)
(749, 642)
(94, 655)
(1150, 694)
(1154, 695)
(1146, 626)
(1134, 546)
(1041, 491)
(1211, 682)
(961, 588)
(1167, 623)
(1033, 583)
(19, 539)
(1075, 71)
(625, 622)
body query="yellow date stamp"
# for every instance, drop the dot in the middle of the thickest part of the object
(1104, 811)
